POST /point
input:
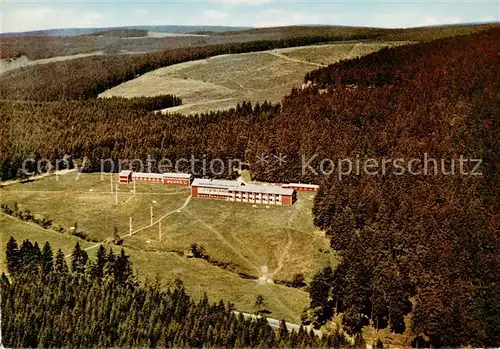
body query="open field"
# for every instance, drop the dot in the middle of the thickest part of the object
(87, 200)
(327, 54)
(23, 61)
(281, 238)
(11, 226)
(223, 81)
(37, 45)
(198, 276)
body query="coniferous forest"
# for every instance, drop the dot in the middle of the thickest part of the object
(419, 250)
(48, 303)
(85, 78)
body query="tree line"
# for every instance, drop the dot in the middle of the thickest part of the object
(429, 239)
(87, 77)
(83, 133)
(416, 250)
(100, 303)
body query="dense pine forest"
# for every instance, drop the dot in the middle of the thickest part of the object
(41, 44)
(37, 45)
(86, 77)
(415, 249)
(48, 303)
(421, 244)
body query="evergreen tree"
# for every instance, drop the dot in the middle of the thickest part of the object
(123, 271)
(79, 259)
(319, 288)
(97, 269)
(110, 264)
(319, 291)
(30, 257)
(60, 267)
(283, 331)
(4, 279)
(46, 261)
(13, 255)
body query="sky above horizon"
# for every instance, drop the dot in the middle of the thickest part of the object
(19, 16)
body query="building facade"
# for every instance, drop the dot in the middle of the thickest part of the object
(301, 186)
(125, 176)
(218, 189)
(180, 179)
(240, 192)
(147, 177)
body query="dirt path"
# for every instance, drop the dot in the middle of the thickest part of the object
(12, 64)
(34, 178)
(283, 256)
(240, 85)
(224, 240)
(286, 249)
(280, 55)
(350, 54)
(107, 240)
(189, 105)
(186, 202)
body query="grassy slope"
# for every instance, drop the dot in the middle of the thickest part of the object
(326, 54)
(87, 200)
(248, 237)
(223, 81)
(198, 276)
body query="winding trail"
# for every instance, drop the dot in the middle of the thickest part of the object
(275, 323)
(107, 240)
(283, 256)
(224, 240)
(282, 56)
(286, 249)
(350, 54)
(34, 178)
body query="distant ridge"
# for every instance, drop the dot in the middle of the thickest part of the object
(205, 29)
(178, 29)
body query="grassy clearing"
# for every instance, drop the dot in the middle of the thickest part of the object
(22, 230)
(198, 276)
(87, 200)
(327, 54)
(283, 238)
(221, 82)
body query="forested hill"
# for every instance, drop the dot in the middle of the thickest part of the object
(87, 77)
(424, 246)
(417, 250)
(99, 304)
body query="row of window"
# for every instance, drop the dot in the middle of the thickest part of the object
(175, 181)
(216, 191)
(212, 196)
(252, 195)
(147, 179)
(271, 200)
(302, 188)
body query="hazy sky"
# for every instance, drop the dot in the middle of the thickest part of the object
(33, 15)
